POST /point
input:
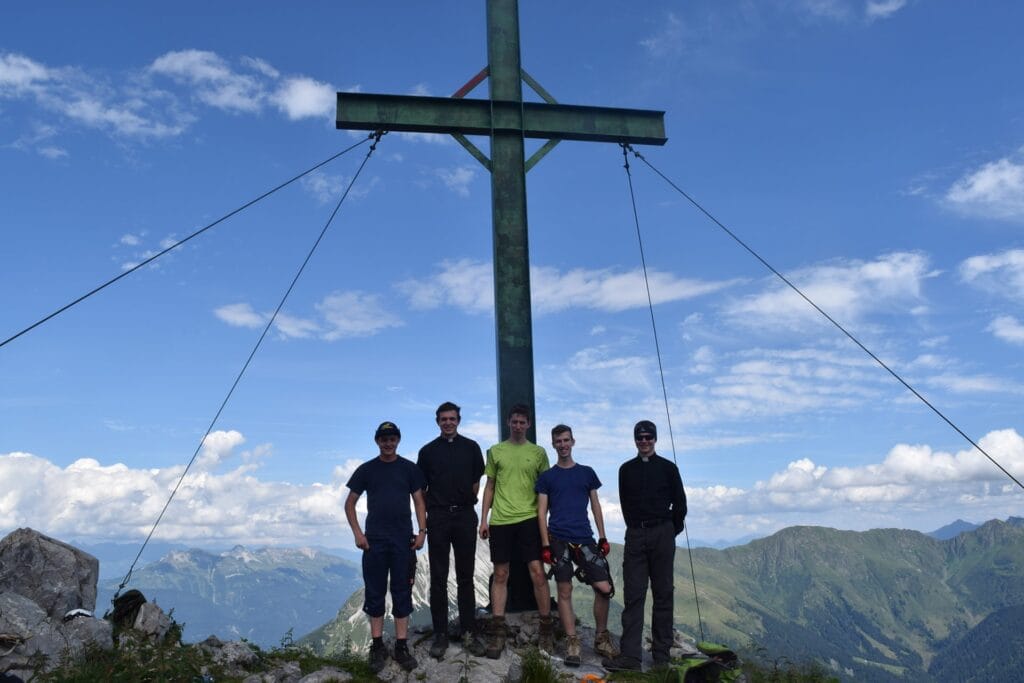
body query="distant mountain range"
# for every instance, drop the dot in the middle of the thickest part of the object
(258, 595)
(880, 605)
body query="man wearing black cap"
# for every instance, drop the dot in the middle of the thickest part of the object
(654, 506)
(452, 466)
(388, 480)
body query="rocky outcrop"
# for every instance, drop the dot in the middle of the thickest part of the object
(47, 597)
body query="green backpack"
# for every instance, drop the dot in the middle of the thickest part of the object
(718, 665)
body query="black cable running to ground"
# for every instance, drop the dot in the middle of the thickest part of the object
(661, 370)
(181, 242)
(827, 316)
(238, 378)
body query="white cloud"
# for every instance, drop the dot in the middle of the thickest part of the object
(240, 315)
(355, 314)
(216, 84)
(72, 93)
(846, 290)
(1008, 329)
(342, 315)
(883, 9)
(1001, 273)
(87, 499)
(302, 97)
(468, 285)
(457, 179)
(971, 384)
(668, 40)
(324, 186)
(996, 190)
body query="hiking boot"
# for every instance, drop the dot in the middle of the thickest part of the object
(439, 646)
(572, 651)
(621, 663)
(378, 657)
(496, 638)
(546, 634)
(474, 642)
(404, 657)
(604, 646)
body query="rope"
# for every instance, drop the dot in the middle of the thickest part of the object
(832, 320)
(127, 577)
(180, 242)
(661, 370)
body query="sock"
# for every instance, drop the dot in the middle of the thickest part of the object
(378, 641)
(400, 643)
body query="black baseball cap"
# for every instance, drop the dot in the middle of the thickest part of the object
(645, 427)
(387, 429)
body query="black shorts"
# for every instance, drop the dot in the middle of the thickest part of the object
(582, 560)
(522, 536)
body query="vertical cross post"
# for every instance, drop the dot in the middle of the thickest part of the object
(512, 314)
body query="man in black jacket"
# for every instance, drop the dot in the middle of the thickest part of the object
(654, 507)
(452, 465)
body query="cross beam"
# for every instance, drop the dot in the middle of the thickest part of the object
(507, 120)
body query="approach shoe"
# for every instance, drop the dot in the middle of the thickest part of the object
(546, 634)
(604, 646)
(474, 641)
(378, 657)
(621, 663)
(439, 646)
(495, 638)
(572, 651)
(404, 657)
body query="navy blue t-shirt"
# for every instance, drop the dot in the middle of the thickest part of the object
(388, 486)
(568, 491)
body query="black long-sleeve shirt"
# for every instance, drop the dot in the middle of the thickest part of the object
(652, 491)
(451, 469)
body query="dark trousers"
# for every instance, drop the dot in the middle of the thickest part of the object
(648, 558)
(452, 530)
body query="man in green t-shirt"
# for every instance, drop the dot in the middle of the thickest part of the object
(512, 470)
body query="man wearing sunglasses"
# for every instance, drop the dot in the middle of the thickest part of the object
(654, 507)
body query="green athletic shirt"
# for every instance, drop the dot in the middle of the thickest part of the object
(514, 468)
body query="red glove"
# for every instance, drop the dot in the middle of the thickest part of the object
(604, 546)
(545, 555)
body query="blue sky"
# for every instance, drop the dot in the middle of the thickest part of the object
(872, 151)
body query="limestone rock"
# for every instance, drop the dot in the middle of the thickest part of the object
(152, 621)
(29, 637)
(54, 575)
(327, 675)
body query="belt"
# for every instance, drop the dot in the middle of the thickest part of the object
(449, 508)
(647, 524)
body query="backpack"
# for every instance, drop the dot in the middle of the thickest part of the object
(717, 664)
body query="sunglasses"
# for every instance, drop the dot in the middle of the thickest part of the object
(644, 437)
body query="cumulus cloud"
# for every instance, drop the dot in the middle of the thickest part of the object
(214, 82)
(355, 314)
(996, 190)
(457, 179)
(468, 285)
(303, 97)
(908, 476)
(88, 499)
(883, 9)
(1001, 273)
(158, 100)
(1008, 328)
(91, 101)
(846, 290)
(341, 315)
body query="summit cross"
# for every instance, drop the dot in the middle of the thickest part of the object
(507, 120)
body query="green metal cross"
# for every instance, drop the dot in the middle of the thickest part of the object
(507, 120)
